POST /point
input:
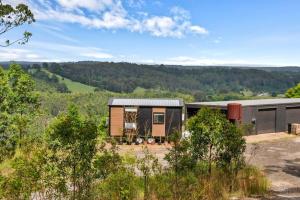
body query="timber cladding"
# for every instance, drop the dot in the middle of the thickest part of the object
(153, 117)
(117, 121)
(158, 129)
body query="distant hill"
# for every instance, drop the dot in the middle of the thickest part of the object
(126, 77)
(280, 69)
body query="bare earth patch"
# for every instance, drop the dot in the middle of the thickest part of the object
(280, 160)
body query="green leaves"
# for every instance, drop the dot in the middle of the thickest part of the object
(18, 105)
(72, 140)
(214, 139)
(293, 92)
(11, 18)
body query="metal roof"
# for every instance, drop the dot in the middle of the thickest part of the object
(146, 102)
(254, 102)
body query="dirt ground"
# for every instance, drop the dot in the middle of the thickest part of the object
(278, 155)
(280, 160)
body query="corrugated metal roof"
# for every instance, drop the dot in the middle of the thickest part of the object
(146, 102)
(254, 102)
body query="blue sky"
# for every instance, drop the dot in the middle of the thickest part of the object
(186, 32)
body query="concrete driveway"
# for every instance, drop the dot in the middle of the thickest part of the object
(279, 157)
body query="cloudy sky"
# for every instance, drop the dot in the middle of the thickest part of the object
(187, 32)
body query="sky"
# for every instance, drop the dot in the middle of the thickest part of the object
(183, 32)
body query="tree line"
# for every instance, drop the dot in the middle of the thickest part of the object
(126, 77)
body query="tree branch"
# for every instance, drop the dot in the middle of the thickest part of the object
(11, 43)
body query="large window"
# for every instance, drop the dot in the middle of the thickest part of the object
(158, 118)
(130, 117)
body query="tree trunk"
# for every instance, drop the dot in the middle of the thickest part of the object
(145, 188)
(74, 182)
(210, 160)
(176, 169)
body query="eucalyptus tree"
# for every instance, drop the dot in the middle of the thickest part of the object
(19, 104)
(12, 17)
(23, 100)
(215, 140)
(72, 141)
(149, 166)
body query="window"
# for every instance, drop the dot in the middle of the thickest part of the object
(158, 118)
(130, 114)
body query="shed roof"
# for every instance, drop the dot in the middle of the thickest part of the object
(146, 102)
(254, 102)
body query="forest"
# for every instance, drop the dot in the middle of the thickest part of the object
(201, 83)
(126, 77)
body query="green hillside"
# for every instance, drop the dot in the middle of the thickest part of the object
(126, 77)
(73, 86)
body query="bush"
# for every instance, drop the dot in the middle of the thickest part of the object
(247, 129)
(122, 185)
(160, 185)
(251, 181)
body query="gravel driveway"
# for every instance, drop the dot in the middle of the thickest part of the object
(280, 160)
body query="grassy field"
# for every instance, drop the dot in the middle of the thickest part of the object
(74, 87)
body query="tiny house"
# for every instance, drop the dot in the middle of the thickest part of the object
(144, 118)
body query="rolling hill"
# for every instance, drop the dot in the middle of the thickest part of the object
(85, 77)
(126, 77)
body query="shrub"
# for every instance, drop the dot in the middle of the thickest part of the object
(122, 185)
(160, 185)
(251, 181)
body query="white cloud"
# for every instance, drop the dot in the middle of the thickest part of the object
(180, 13)
(97, 55)
(198, 29)
(186, 60)
(176, 25)
(8, 54)
(88, 4)
(32, 56)
(160, 26)
(16, 54)
(112, 15)
(55, 53)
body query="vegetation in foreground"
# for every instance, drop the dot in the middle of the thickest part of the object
(67, 157)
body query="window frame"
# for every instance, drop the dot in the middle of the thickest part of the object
(159, 113)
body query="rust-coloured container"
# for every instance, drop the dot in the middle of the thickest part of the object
(234, 111)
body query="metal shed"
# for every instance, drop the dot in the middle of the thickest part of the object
(266, 115)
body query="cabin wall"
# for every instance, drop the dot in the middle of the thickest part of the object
(159, 130)
(116, 121)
